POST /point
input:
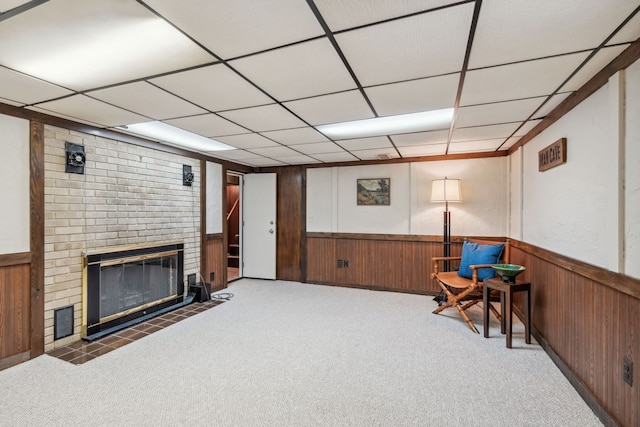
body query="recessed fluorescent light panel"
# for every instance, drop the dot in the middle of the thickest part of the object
(173, 135)
(389, 125)
(124, 41)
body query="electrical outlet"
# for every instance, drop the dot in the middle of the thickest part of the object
(212, 276)
(627, 370)
(340, 263)
(346, 263)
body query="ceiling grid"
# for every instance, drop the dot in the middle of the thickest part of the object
(262, 75)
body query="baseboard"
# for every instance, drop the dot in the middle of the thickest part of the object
(373, 288)
(578, 385)
(8, 362)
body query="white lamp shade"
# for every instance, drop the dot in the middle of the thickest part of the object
(446, 190)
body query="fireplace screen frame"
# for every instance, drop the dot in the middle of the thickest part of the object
(93, 322)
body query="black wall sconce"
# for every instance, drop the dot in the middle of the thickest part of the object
(75, 158)
(187, 175)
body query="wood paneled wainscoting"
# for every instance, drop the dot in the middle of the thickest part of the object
(215, 261)
(587, 319)
(399, 263)
(15, 309)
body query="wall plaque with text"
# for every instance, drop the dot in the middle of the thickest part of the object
(553, 155)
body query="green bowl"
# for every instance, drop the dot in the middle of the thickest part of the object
(509, 270)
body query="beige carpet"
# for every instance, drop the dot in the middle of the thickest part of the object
(291, 354)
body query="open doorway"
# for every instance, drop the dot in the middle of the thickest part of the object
(234, 271)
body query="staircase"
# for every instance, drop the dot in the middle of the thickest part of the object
(233, 255)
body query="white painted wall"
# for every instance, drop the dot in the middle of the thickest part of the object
(571, 209)
(515, 195)
(331, 199)
(320, 199)
(588, 208)
(632, 171)
(14, 185)
(392, 219)
(483, 210)
(214, 198)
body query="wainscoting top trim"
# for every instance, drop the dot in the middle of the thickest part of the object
(7, 260)
(619, 282)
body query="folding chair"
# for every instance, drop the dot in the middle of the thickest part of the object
(463, 288)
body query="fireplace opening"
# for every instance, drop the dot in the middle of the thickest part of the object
(127, 285)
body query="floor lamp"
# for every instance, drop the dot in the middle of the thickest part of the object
(446, 190)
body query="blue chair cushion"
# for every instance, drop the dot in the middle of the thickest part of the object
(475, 253)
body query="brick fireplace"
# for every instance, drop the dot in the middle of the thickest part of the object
(123, 286)
(129, 196)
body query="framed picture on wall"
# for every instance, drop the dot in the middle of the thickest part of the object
(374, 192)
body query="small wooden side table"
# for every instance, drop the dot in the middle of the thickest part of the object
(507, 289)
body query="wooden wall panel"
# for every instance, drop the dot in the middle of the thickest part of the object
(15, 313)
(36, 214)
(290, 223)
(216, 261)
(589, 325)
(397, 263)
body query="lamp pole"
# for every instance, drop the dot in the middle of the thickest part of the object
(447, 235)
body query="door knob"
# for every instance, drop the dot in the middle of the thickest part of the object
(271, 230)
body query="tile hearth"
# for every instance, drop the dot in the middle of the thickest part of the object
(82, 351)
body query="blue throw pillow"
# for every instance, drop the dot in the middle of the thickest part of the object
(473, 254)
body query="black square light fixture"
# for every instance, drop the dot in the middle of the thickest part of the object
(187, 175)
(75, 158)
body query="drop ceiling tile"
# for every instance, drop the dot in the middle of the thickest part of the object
(10, 102)
(340, 14)
(247, 141)
(591, 68)
(264, 162)
(88, 109)
(518, 81)
(235, 155)
(475, 146)
(66, 45)
(421, 138)
(318, 147)
(335, 157)
(64, 116)
(413, 96)
(526, 127)
(298, 71)
(515, 30)
(484, 132)
(304, 135)
(629, 33)
(551, 104)
(510, 142)
(423, 150)
(147, 100)
(23, 89)
(209, 125)
(376, 142)
(497, 113)
(215, 88)
(398, 50)
(264, 118)
(298, 160)
(337, 107)
(376, 154)
(239, 27)
(6, 5)
(274, 152)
